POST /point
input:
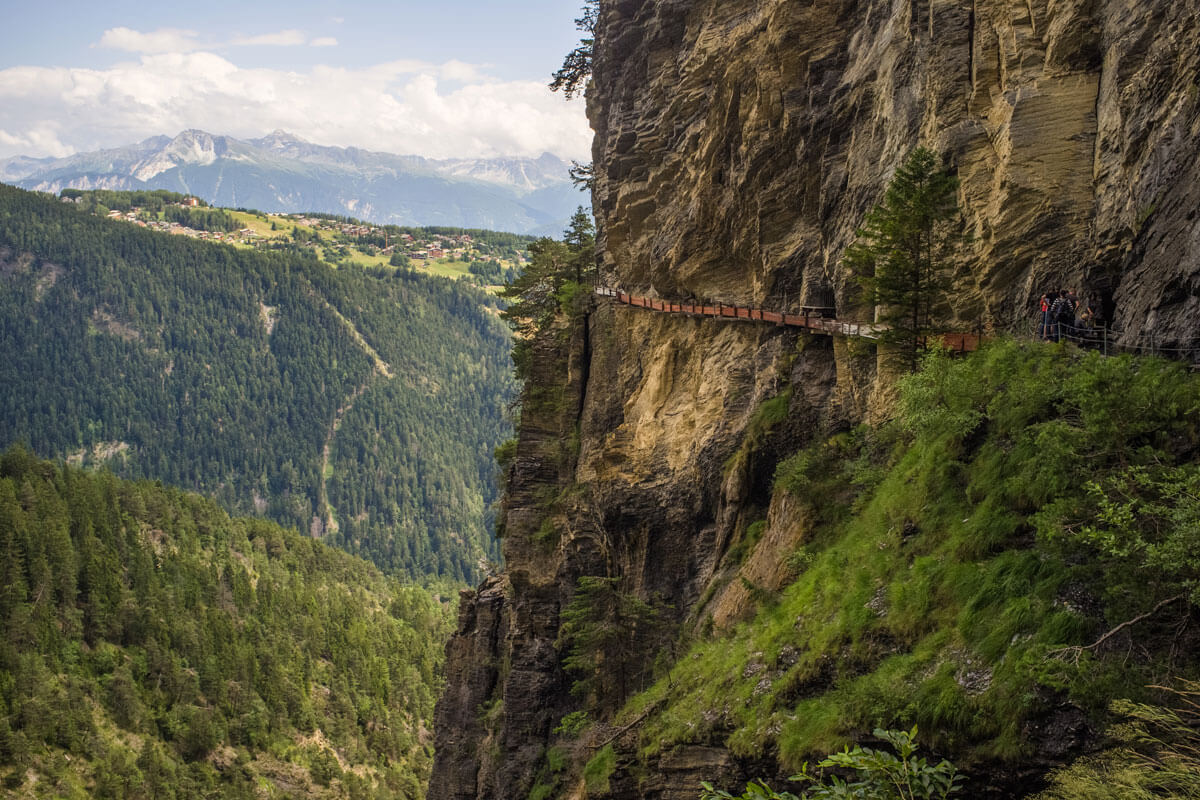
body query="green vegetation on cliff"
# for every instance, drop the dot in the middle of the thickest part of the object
(967, 569)
(1154, 754)
(559, 274)
(902, 255)
(317, 397)
(156, 648)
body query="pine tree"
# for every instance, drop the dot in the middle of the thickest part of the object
(902, 255)
(609, 638)
(580, 239)
(572, 76)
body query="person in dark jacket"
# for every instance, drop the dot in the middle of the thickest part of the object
(1062, 316)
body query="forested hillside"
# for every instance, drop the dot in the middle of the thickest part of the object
(156, 648)
(362, 406)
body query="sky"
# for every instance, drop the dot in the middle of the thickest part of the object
(437, 78)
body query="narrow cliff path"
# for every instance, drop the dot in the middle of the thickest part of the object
(811, 318)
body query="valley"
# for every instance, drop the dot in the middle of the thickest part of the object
(278, 383)
(157, 648)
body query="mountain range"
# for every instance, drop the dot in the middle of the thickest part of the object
(284, 173)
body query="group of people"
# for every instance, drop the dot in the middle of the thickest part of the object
(1064, 316)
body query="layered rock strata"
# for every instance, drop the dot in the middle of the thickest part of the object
(738, 145)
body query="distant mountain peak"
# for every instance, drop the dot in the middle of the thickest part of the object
(279, 138)
(283, 172)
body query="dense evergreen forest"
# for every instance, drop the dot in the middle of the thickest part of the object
(155, 200)
(362, 405)
(156, 648)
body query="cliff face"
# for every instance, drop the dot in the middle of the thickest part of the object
(649, 496)
(738, 145)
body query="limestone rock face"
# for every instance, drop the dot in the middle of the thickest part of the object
(738, 145)
(657, 406)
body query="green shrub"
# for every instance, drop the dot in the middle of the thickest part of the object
(505, 452)
(572, 724)
(599, 769)
(878, 775)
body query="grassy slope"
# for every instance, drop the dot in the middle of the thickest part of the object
(946, 568)
(443, 267)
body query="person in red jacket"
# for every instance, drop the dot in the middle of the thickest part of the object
(1044, 324)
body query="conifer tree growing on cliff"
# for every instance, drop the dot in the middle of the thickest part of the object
(572, 77)
(608, 638)
(580, 239)
(557, 273)
(902, 255)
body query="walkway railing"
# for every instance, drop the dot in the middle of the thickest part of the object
(1108, 340)
(820, 320)
(814, 319)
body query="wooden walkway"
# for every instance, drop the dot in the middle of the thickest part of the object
(811, 319)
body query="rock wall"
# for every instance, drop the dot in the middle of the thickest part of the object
(648, 496)
(738, 144)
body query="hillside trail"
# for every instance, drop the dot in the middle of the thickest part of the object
(1103, 339)
(327, 519)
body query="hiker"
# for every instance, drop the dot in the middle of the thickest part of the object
(1044, 324)
(1062, 315)
(1084, 316)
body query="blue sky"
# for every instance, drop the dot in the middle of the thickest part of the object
(439, 78)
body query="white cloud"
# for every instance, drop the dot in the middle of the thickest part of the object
(163, 40)
(175, 40)
(40, 139)
(459, 71)
(288, 38)
(399, 107)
